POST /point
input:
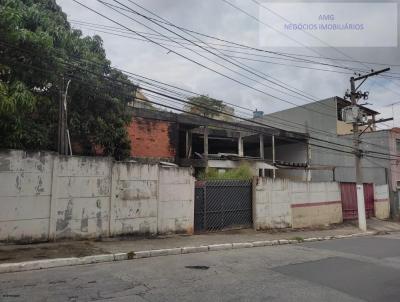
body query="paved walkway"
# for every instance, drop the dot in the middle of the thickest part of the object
(383, 226)
(63, 249)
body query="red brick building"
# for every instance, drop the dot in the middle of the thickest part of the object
(153, 138)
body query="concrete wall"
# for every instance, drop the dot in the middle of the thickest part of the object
(395, 164)
(45, 196)
(80, 198)
(293, 152)
(381, 201)
(176, 201)
(316, 116)
(25, 194)
(374, 170)
(282, 203)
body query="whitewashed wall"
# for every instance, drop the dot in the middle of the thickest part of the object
(282, 203)
(25, 194)
(45, 196)
(381, 201)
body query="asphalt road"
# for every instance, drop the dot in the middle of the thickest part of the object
(359, 269)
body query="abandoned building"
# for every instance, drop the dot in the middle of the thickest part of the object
(188, 140)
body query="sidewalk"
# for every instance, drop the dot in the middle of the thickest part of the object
(66, 249)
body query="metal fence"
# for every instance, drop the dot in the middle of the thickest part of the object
(222, 204)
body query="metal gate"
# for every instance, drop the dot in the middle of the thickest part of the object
(369, 200)
(222, 204)
(349, 200)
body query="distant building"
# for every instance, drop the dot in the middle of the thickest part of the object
(322, 121)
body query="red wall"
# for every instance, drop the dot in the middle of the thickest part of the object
(152, 138)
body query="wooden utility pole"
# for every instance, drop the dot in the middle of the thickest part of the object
(355, 96)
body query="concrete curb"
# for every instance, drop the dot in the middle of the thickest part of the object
(59, 262)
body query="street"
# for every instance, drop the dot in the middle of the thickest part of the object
(357, 269)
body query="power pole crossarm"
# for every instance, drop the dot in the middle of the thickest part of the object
(373, 73)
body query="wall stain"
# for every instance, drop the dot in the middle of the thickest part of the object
(103, 186)
(99, 220)
(5, 164)
(84, 221)
(18, 180)
(39, 188)
(63, 223)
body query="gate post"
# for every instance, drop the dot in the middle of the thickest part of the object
(253, 201)
(205, 206)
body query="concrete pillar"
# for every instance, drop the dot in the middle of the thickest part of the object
(273, 156)
(188, 144)
(206, 142)
(53, 199)
(240, 145)
(308, 171)
(362, 222)
(262, 146)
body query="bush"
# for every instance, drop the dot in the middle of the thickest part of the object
(243, 172)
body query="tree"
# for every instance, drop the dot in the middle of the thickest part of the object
(209, 107)
(39, 53)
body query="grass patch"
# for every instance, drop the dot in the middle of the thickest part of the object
(298, 238)
(130, 255)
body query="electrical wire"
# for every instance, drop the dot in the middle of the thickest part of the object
(251, 121)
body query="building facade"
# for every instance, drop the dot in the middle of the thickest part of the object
(330, 148)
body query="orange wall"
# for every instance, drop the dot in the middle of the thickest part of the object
(152, 138)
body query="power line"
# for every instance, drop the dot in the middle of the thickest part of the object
(257, 55)
(240, 125)
(310, 34)
(251, 121)
(244, 126)
(325, 114)
(169, 23)
(246, 85)
(246, 67)
(213, 53)
(229, 56)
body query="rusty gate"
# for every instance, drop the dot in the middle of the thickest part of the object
(222, 204)
(349, 200)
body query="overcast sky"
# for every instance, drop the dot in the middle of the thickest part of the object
(217, 18)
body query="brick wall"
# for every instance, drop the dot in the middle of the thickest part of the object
(152, 138)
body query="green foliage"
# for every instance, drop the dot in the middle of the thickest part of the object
(298, 238)
(209, 107)
(39, 53)
(243, 172)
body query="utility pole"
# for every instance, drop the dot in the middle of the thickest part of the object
(64, 141)
(355, 95)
